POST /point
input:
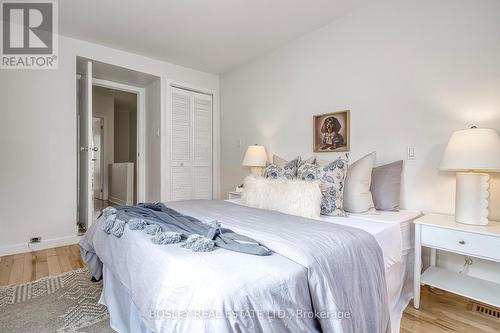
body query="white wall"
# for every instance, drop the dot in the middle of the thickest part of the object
(133, 136)
(123, 137)
(411, 72)
(126, 140)
(38, 135)
(153, 141)
(121, 190)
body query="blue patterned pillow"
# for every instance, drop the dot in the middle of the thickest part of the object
(331, 178)
(281, 168)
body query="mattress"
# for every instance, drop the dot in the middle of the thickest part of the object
(392, 230)
(403, 218)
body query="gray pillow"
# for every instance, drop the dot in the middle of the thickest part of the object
(386, 186)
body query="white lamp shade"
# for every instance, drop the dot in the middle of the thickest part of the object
(255, 156)
(473, 149)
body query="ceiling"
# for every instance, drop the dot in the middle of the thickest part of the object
(209, 35)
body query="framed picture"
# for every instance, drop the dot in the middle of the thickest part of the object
(331, 132)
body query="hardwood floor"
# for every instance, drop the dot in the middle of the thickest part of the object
(438, 313)
(30, 266)
(446, 313)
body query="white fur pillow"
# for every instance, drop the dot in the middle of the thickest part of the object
(289, 196)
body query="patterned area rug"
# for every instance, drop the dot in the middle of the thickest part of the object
(62, 304)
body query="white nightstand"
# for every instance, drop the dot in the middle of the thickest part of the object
(235, 195)
(443, 233)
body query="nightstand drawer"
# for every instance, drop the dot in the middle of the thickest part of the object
(477, 245)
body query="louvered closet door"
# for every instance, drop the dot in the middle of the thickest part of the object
(191, 145)
(202, 146)
(182, 106)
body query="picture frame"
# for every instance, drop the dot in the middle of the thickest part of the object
(331, 132)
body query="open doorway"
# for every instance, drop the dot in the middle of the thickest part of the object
(114, 179)
(111, 138)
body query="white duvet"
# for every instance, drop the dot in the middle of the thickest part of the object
(224, 291)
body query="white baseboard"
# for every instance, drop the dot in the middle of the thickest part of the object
(44, 244)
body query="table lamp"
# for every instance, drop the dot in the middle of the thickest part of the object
(255, 158)
(472, 153)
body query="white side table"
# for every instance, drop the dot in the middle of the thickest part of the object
(443, 233)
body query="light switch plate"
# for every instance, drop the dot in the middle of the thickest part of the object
(411, 153)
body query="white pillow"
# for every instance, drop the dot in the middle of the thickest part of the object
(289, 196)
(357, 194)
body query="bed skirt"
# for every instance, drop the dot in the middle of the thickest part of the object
(123, 314)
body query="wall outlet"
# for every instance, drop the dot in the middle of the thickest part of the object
(36, 239)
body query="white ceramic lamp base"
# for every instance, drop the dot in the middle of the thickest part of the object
(471, 203)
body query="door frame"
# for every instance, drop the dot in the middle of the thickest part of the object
(141, 130)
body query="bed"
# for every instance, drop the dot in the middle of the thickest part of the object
(151, 288)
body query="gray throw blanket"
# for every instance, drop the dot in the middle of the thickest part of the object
(167, 226)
